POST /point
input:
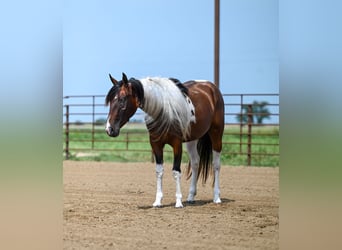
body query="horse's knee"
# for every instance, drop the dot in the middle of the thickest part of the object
(194, 164)
(159, 169)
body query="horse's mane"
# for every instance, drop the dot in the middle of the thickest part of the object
(180, 85)
(166, 106)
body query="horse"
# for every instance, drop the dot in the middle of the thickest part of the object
(190, 112)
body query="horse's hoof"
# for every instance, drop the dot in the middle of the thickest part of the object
(157, 204)
(178, 205)
(191, 202)
(217, 200)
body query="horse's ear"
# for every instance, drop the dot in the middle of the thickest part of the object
(113, 80)
(124, 79)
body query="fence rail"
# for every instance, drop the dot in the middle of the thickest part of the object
(248, 117)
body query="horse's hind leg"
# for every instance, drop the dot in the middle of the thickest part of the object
(194, 161)
(216, 140)
(217, 166)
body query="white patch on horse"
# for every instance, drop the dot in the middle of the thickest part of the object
(192, 109)
(166, 107)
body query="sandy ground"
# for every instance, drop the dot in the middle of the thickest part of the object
(109, 206)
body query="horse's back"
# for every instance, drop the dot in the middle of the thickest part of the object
(205, 92)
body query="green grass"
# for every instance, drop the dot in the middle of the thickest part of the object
(265, 140)
(138, 149)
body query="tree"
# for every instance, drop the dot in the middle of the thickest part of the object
(101, 121)
(259, 113)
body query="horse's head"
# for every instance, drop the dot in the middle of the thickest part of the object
(123, 99)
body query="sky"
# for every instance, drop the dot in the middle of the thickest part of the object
(170, 39)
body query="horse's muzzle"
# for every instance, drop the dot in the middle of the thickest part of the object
(112, 132)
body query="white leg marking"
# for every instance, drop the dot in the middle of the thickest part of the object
(177, 176)
(159, 194)
(217, 166)
(194, 161)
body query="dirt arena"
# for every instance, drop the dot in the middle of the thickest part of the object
(109, 206)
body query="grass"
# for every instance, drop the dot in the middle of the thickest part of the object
(133, 145)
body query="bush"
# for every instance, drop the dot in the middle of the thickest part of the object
(78, 122)
(101, 121)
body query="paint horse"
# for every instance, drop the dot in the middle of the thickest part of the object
(192, 112)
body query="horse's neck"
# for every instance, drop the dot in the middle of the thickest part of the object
(165, 106)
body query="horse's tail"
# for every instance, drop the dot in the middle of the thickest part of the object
(204, 148)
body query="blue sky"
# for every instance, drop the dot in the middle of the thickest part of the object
(171, 39)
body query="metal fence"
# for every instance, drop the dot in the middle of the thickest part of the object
(247, 118)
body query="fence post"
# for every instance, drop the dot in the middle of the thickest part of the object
(241, 121)
(67, 132)
(93, 125)
(249, 135)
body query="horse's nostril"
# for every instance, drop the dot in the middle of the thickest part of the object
(112, 132)
(109, 130)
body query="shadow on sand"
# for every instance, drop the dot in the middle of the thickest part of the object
(196, 203)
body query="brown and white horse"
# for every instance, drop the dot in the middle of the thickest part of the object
(192, 112)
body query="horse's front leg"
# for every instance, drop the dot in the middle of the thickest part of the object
(176, 171)
(158, 153)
